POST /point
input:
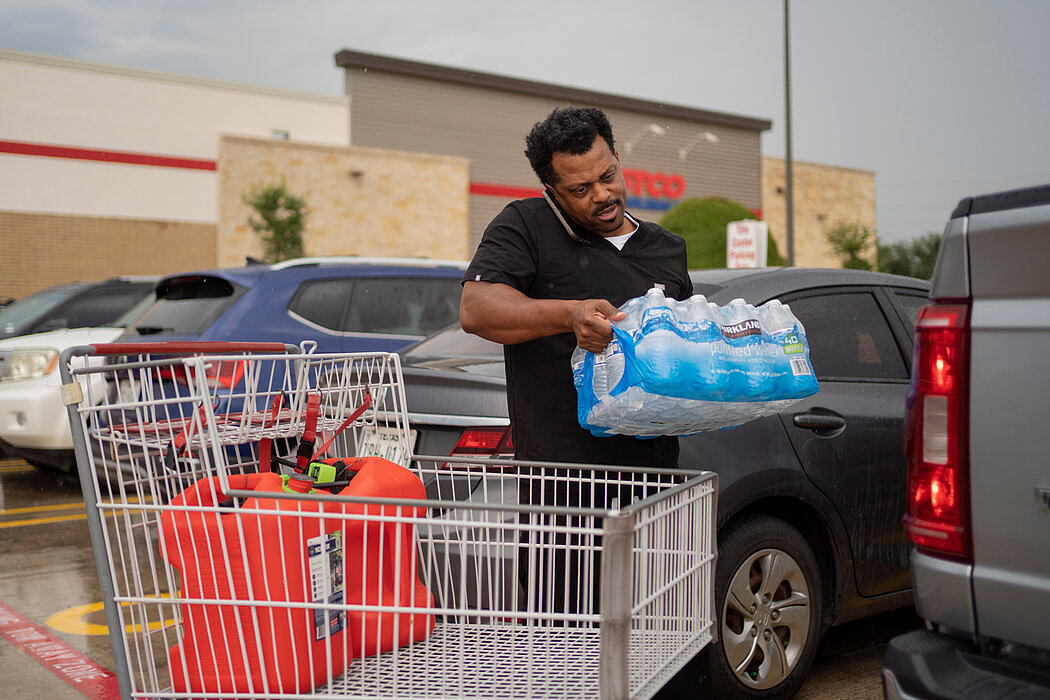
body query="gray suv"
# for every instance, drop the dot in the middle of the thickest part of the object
(978, 441)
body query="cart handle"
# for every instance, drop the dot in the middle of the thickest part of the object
(215, 347)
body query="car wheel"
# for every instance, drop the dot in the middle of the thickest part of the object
(768, 602)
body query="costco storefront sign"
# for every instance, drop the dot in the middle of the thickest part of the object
(645, 190)
(652, 190)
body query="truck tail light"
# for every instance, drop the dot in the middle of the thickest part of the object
(487, 442)
(937, 433)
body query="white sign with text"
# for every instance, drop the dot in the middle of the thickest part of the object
(746, 243)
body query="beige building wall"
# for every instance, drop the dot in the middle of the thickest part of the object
(42, 250)
(824, 195)
(360, 201)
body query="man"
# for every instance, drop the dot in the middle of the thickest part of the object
(550, 275)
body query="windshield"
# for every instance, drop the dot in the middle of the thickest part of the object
(23, 311)
(454, 342)
(129, 316)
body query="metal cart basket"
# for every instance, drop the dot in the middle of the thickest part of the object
(262, 529)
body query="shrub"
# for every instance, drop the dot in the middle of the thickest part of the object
(850, 242)
(280, 219)
(914, 258)
(702, 223)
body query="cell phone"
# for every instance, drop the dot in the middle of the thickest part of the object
(561, 217)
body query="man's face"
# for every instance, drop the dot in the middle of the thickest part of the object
(590, 188)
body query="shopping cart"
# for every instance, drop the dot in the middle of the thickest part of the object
(262, 530)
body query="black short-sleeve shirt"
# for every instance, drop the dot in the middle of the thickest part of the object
(526, 247)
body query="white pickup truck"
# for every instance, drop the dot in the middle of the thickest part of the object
(978, 443)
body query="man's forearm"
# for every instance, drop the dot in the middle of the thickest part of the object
(502, 314)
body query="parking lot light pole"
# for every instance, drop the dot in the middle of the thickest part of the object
(788, 193)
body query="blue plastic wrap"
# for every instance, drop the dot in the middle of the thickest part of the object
(681, 367)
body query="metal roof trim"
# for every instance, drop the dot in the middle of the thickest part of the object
(356, 59)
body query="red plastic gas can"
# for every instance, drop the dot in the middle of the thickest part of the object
(247, 563)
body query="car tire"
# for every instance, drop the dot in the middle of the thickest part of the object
(67, 466)
(768, 607)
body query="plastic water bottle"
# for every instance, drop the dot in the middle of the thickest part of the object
(750, 375)
(703, 378)
(794, 373)
(660, 348)
(614, 364)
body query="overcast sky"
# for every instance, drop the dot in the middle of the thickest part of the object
(941, 98)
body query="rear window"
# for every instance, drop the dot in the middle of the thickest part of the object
(186, 306)
(910, 303)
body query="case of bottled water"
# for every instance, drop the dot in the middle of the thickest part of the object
(680, 367)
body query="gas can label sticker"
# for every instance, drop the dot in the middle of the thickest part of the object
(326, 582)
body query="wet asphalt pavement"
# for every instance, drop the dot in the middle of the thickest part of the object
(54, 643)
(47, 573)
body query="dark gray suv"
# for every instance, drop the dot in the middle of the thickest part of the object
(979, 472)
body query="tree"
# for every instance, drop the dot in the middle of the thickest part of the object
(849, 242)
(914, 258)
(280, 218)
(702, 223)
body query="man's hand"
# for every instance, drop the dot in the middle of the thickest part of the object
(591, 322)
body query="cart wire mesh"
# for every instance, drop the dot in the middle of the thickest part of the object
(227, 574)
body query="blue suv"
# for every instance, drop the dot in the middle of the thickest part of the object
(345, 304)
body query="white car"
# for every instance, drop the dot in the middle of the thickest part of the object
(33, 421)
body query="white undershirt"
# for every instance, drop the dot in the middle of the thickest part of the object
(620, 241)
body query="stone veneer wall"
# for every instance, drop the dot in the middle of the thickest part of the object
(360, 201)
(824, 196)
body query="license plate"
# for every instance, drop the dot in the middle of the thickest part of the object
(387, 443)
(127, 390)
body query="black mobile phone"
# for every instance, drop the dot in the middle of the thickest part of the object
(561, 217)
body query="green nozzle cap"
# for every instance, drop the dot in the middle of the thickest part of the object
(322, 472)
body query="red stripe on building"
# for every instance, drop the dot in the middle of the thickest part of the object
(24, 148)
(66, 662)
(490, 190)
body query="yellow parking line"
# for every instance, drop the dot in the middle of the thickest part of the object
(40, 509)
(54, 507)
(41, 521)
(15, 468)
(71, 620)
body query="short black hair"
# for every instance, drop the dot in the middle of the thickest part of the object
(565, 130)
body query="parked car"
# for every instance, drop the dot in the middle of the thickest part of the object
(979, 480)
(74, 305)
(342, 304)
(810, 500)
(32, 421)
(334, 304)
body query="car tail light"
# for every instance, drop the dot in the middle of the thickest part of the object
(937, 433)
(487, 442)
(216, 374)
(223, 374)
